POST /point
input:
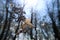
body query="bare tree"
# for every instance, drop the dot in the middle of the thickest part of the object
(58, 7)
(35, 26)
(5, 25)
(55, 28)
(20, 18)
(31, 34)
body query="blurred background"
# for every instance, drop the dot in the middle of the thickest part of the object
(42, 15)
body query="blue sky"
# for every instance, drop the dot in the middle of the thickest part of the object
(38, 5)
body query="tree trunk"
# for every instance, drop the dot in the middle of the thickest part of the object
(55, 29)
(31, 35)
(8, 27)
(35, 27)
(5, 25)
(17, 28)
